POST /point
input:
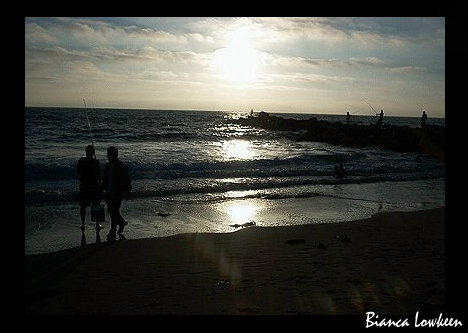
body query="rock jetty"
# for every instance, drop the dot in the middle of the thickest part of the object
(429, 140)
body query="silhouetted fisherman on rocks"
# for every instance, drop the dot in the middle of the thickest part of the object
(380, 120)
(423, 119)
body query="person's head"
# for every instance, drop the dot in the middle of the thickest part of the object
(90, 151)
(112, 153)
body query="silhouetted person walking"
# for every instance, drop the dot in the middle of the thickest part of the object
(89, 172)
(348, 117)
(423, 119)
(117, 184)
(380, 120)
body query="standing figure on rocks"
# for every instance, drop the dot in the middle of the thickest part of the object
(380, 120)
(423, 119)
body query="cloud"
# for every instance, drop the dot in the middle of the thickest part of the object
(351, 63)
(298, 61)
(105, 33)
(35, 33)
(408, 70)
(362, 32)
(304, 77)
(110, 55)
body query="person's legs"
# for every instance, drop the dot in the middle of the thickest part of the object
(83, 216)
(84, 201)
(114, 219)
(97, 202)
(120, 220)
(113, 206)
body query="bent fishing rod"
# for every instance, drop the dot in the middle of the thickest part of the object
(370, 106)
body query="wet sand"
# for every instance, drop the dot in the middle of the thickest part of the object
(393, 263)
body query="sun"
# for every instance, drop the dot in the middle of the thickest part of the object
(239, 62)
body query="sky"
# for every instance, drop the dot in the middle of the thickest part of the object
(276, 64)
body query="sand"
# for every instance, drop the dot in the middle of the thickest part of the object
(393, 263)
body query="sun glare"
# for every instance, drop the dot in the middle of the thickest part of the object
(241, 212)
(237, 149)
(238, 62)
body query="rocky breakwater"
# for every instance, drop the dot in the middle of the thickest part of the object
(429, 140)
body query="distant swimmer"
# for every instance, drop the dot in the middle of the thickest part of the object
(380, 120)
(339, 171)
(117, 184)
(89, 172)
(423, 119)
(348, 117)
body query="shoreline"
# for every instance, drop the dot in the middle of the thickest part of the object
(393, 263)
(52, 228)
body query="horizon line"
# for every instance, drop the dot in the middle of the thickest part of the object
(247, 111)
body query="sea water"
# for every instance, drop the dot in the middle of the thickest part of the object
(210, 174)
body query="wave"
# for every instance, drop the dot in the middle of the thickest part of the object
(114, 136)
(302, 165)
(219, 187)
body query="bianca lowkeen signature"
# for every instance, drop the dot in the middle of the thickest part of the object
(374, 320)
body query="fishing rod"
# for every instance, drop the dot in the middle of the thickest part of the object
(370, 106)
(89, 124)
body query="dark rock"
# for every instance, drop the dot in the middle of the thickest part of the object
(430, 140)
(244, 225)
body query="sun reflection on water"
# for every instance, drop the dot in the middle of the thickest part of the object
(238, 149)
(240, 212)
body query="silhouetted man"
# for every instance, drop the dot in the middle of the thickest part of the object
(348, 117)
(423, 119)
(380, 120)
(89, 172)
(117, 184)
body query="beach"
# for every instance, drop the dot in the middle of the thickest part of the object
(391, 263)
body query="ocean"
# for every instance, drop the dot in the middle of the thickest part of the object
(210, 174)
